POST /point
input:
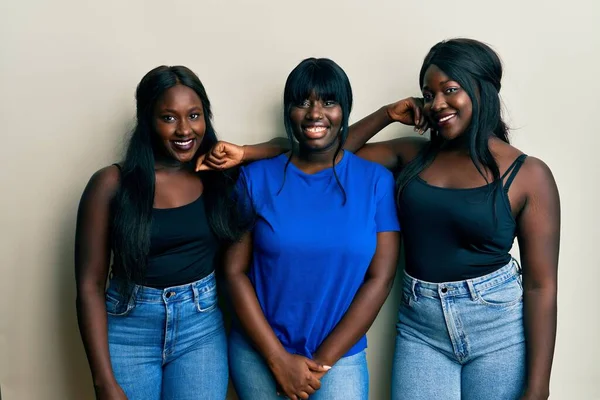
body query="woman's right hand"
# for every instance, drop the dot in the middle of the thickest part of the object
(294, 375)
(409, 111)
(111, 392)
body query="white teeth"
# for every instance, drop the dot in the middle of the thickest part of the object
(316, 129)
(446, 118)
(182, 143)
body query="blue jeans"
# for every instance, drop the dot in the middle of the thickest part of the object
(461, 340)
(168, 344)
(348, 379)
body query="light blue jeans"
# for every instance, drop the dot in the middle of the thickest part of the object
(461, 340)
(348, 379)
(168, 344)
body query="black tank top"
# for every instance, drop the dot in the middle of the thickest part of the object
(457, 234)
(182, 246)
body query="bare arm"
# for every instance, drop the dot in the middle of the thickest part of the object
(92, 255)
(292, 372)
(539, 240)
(367, 302)
(408, 111)
(270, 149)
(225, 155)
(392, 153)
(362, 131)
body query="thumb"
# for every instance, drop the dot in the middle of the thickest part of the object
(200, 163)
(317, 367)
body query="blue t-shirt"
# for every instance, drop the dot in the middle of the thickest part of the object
(311, 251)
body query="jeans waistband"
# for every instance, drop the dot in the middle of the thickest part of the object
(461, 288)
(146, 294)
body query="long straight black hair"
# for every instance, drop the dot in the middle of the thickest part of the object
(478, 70)
(133, 203)
(328, 81)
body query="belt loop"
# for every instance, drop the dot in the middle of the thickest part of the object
(518, 266)
(196, 295)
(472, 290)
(414, 289)
(132, 296)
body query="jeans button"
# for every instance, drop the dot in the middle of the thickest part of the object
(444, 290)
(170, 294)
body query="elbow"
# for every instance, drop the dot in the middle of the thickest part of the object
(233, 277)
(382, 284)
(88, 289)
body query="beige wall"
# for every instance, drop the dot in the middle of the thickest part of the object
(68, 69)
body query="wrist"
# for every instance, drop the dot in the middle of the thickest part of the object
(105, 382)
(246, 153)
(387, 112)
(323, 359)
(276, 357)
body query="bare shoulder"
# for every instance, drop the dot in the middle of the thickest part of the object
(537, 173)
(394, 153)
(536, 181)
(104, 182)
(408, 147)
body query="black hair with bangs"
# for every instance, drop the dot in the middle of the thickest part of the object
(328, 81)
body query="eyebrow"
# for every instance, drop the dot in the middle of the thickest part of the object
(196, 108)
(441, 83)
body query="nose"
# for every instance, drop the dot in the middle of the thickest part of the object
(184, 128)
(439, 103)
(315, 111)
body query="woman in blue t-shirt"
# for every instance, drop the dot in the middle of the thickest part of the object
(309, 279)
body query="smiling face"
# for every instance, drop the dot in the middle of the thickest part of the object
(179, 122)
(447, 105)
(316, 122)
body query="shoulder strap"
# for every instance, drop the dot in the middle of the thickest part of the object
(118, 166)
(513, 170)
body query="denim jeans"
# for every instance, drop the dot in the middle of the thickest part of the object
(348, 379)
(168, 344)
(461, 340)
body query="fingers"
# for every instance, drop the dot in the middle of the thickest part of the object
(416, 112)
(314, 383)
(315, 366)
(421, 129)
(215, 160)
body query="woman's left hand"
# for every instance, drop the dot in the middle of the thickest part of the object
(223, 155)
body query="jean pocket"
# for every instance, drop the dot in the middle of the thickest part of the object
(117, 304)
(507, 294)
(206, 298)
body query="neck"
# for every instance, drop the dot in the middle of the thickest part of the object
(168, 164)
(457, 145)
(318, 157)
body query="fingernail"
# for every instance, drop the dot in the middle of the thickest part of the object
(326, 367)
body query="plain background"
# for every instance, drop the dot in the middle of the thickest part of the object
(69, 68)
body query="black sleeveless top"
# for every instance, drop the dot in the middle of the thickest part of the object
(183, 247)
(457, 234)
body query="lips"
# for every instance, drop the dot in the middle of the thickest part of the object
(315, 131)
(183, 145)
(445, 119)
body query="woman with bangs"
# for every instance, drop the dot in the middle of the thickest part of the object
(307, 281)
